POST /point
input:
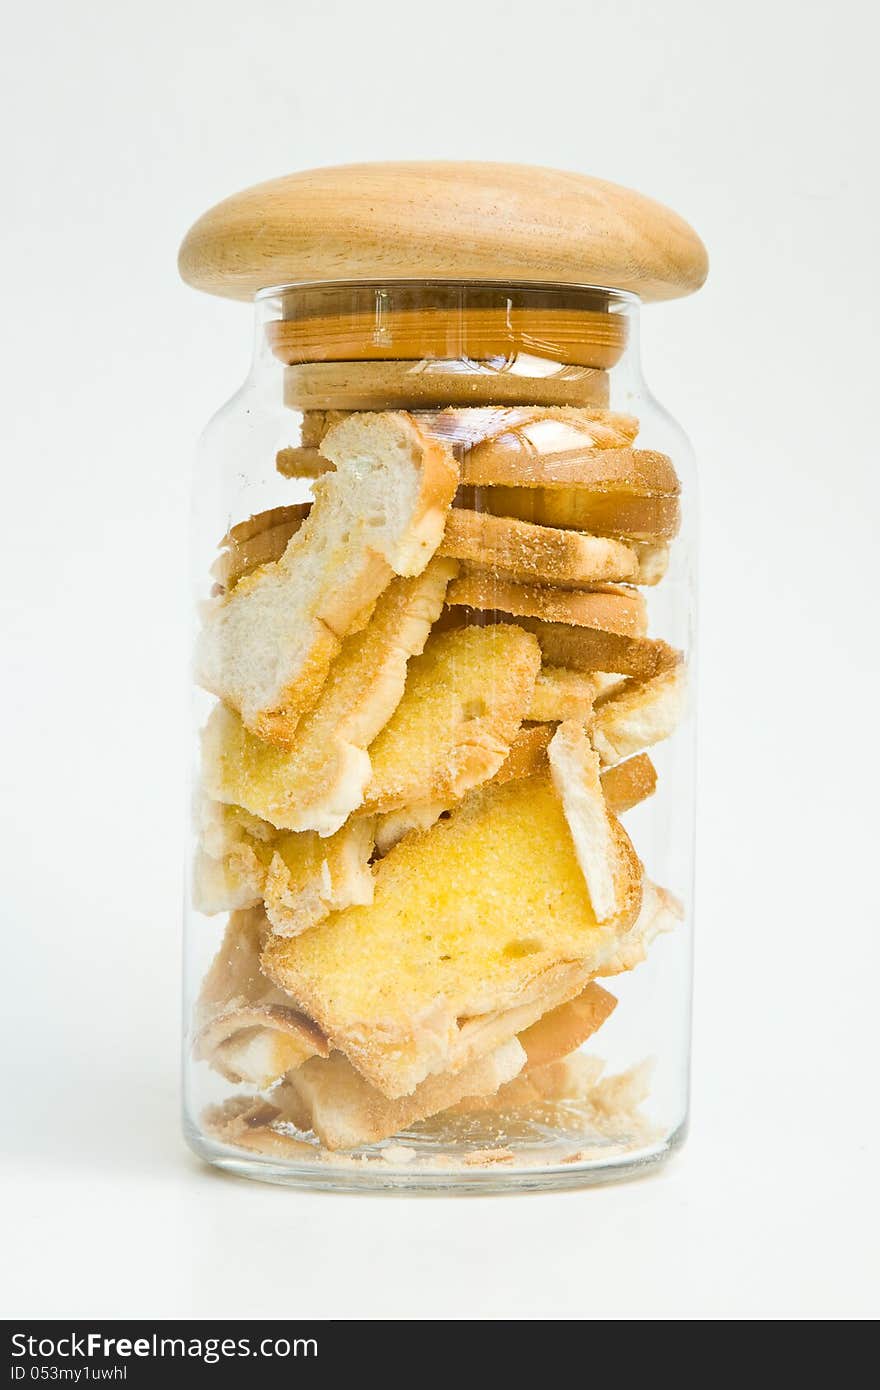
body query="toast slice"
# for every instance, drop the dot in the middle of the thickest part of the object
(243, 861)
(567, 1027)
(266, 646)
(566, 1079)
(302, 462)
(245, 1027)
(639, 714)
(527, 755)
(431, 383)
(528, 554)
(464, 701)
(606, 607)
(600, 650)
(574, 767)
(628, 783)
(653, 561)
(257, 541)
(332, 1099)
(320, 779)
(478, 926)
(506, 461)
(628, 516)
(563, 694)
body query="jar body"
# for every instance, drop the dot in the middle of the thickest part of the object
(439, 908)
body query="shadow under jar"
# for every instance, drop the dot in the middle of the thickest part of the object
(439, 917)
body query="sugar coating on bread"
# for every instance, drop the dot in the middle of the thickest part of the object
(652, 558)
(266, 646)
(574, 767)
(329, 1097)
(524, 553)
(562, 694)
(316, 782)
(606, 607)
(628, 516)
(527, 755)
(479, 918)
(464, 700)
(639, 714)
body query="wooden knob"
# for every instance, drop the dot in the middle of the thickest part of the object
(455, 221)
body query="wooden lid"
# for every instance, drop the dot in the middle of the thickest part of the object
(454, 221)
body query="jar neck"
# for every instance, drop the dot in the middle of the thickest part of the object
(561, 344)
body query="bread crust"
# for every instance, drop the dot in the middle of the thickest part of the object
(528, 554)
(628, 516)
(628, 783)
(594, 649)
(421, 385)
(506, 462)
(608, 607)
(568, 1026)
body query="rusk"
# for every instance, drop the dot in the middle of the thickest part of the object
(504, 462)
(628, 783)
(606, 607)
(469, 427)
(431, 383)
(257, 541)
(567, 1027)
(301, 877)
(488, 922)
(464, 701)
(301, 462)
(527, 755)
(266, 647)
(529, 554)
(562, 694)
(628, 516)
(320, 779)
(599, 650)
(660, 912)
(331, 1098)
(638, 714)
(574, 767)
(246, 1028)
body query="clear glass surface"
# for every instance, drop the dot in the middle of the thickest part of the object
(438, 351)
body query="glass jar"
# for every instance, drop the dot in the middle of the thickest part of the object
(439, 898)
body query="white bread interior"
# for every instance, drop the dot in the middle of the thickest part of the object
(266, 646)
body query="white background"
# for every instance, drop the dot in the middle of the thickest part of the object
(122, 122)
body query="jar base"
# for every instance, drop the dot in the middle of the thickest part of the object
(395, 1167)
